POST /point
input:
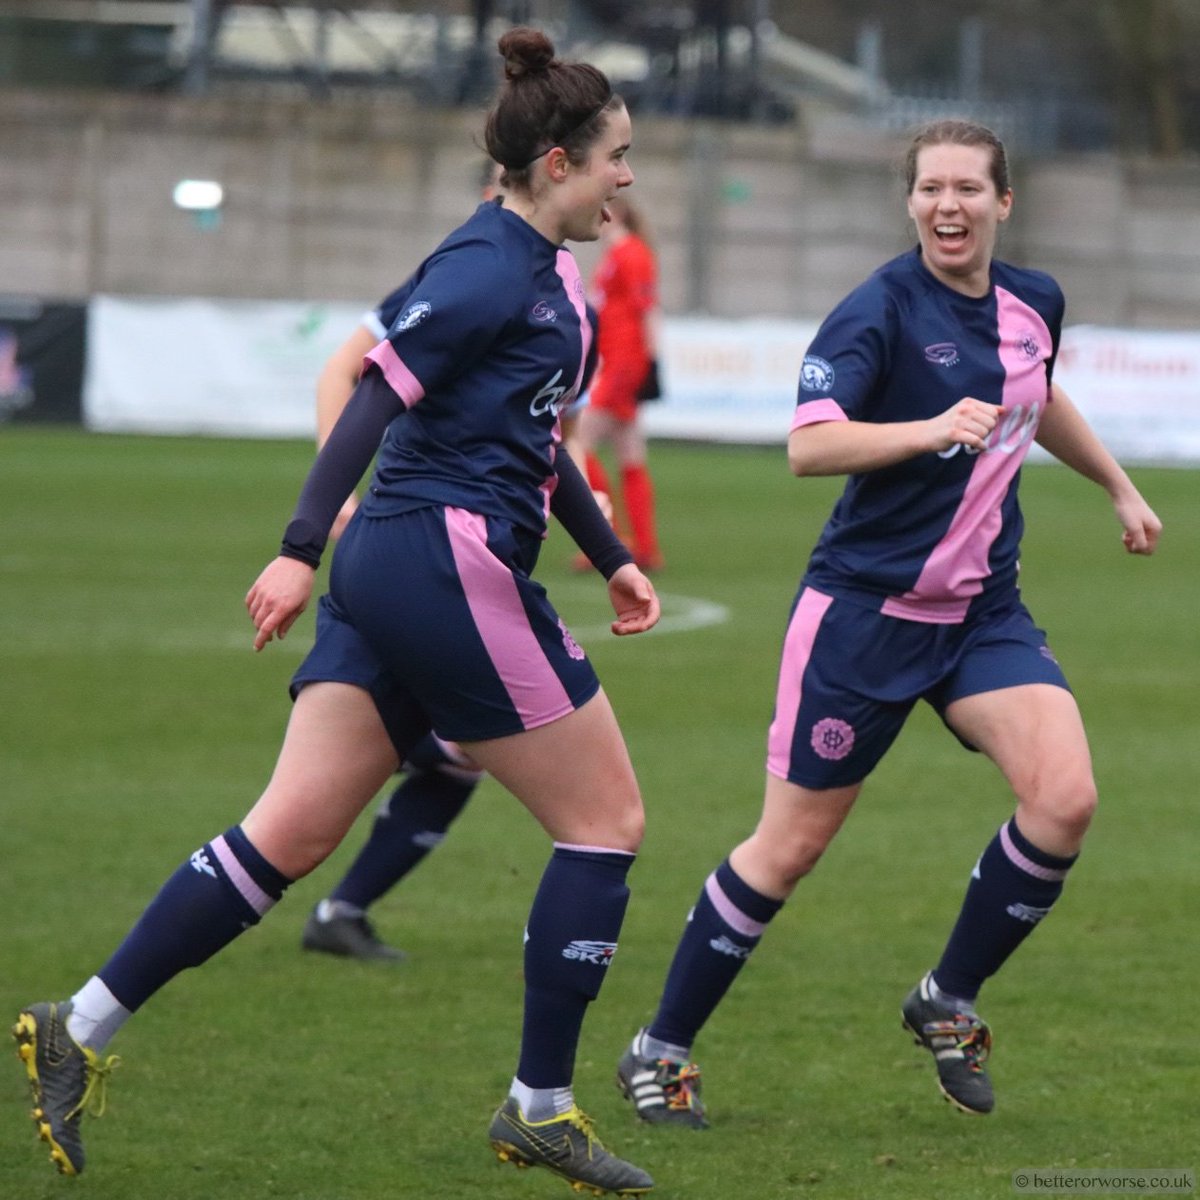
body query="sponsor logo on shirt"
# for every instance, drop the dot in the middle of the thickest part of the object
(552, 397)
(599, 954)
(542, 311)
(832, 738)
(816, 375)
(1014, 431)
(412, 316)
(943, 354)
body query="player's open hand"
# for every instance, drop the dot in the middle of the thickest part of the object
(634, 601)
(279, 595)
(967, 423)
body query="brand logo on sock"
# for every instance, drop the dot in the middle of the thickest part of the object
(1027, 912)
(199, 861)
(598, 953)
(723, 945)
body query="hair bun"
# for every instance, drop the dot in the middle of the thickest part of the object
(525, 51)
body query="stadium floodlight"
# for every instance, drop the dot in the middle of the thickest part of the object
(198, 195)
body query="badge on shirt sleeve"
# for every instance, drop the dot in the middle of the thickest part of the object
(816, 375)
(412, 316)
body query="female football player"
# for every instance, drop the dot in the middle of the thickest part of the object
(432, 620)
(926, 386)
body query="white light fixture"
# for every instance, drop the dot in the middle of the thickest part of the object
(198, 195)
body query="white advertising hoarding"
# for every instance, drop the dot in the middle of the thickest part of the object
(243, 368)
(224, 367)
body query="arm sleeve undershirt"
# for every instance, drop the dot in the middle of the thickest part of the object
(575, 507)
(340, 465)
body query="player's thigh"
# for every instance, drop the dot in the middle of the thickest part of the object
(596, 426)
(796, 826)
(573, 774)
(1034, 733)
(335, 756)
(629, 443)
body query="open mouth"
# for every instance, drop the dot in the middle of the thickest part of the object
(950, 236)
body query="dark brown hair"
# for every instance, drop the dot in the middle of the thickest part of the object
(544, 102)
(958, 133)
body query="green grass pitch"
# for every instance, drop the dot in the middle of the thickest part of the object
(137, 723)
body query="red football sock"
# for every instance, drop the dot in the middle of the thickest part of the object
(639, 505)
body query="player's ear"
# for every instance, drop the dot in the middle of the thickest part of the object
(557, 163)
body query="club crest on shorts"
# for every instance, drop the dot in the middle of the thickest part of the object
(832, 738)
(570, 645)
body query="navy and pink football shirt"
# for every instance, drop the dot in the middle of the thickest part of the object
(935, 536)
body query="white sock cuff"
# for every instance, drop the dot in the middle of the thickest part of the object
(96, 1014)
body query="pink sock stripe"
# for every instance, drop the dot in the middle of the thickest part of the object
(729, 912)
(240, 877)
(1027, 864)
(593, 849)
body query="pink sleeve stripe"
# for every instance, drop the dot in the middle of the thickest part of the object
(1022, 863)
(400, 379)
(729, 912)
(535, 690)
(797, 649)
(814, 412)
(240, 877)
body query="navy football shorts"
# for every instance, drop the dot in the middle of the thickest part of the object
(434, 613)
(849, 677)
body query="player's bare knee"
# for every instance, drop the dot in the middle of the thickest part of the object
(785, 861)
(1067, 806)
(630, 827)
(1075, 808)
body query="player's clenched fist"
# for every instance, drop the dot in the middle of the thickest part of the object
(966, 423)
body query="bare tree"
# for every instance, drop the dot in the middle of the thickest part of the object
(1146, 38)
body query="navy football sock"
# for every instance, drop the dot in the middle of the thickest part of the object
(223, 889)
(1013, 886)
(570, 941)
(724, 927)
(413, 821)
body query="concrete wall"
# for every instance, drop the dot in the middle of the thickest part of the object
(339, 201)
